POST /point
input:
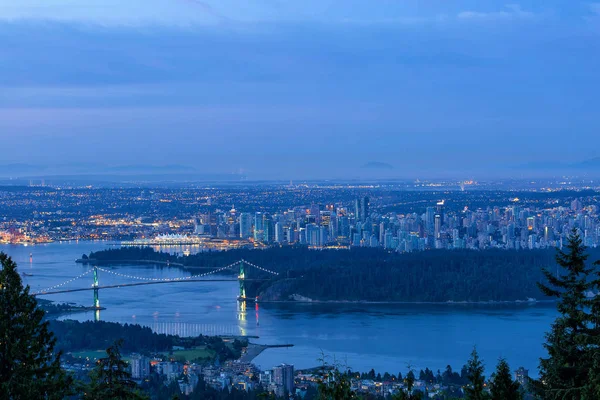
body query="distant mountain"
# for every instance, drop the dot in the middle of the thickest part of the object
(22, 170)
(377, 165)
(19, 168)
(152, 168)
(592, 163)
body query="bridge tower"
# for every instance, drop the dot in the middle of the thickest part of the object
(241, 278)
(95, 286)
(96, 299)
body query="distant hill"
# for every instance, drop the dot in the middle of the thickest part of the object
(592, 163)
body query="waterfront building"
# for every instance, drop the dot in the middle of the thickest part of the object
(283, 378)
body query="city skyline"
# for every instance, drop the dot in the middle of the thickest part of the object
(319, 91)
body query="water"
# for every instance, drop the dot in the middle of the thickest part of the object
(383, 337)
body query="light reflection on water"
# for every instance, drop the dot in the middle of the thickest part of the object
(384, 337)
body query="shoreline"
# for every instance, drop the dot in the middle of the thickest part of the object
(305, 300)
(254, 350)
(451, 303)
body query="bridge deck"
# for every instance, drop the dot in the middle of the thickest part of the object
(143, 284)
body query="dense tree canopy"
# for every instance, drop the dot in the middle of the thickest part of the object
(375, 274)
(29, 366)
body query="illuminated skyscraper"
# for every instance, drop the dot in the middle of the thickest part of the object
(258, 227)
(245, 225)
(438, 226)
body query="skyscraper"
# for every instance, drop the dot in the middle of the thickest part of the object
(440, 210)
(364, 210)
(258, 227)
(357, 215)
(279, 233)
(245, 225)
(283, 377)
(438, 226)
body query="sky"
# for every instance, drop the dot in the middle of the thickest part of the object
(300, 89)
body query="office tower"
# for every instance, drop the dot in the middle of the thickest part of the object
(313, 235)
(315, 210)
(429, 218)
(140, 366)
(258, 227)
(440, 210)
(269, 229)
(283, 377)
(323, 237)
(438, 226)
(344, 227)
(245, 225)
(357, 216)
(532, 241)
(364, 208)
(279, 233)
(292, 234)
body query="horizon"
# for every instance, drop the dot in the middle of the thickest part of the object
(277, 91)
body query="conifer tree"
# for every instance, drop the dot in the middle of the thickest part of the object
(111, 378)
(502, 385)
(409, 393)
(29, 366)
(566, 371)
(475, 389)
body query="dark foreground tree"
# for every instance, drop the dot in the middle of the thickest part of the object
(29, 368)
(409, 393)
(572, 342)
(475, 389)
(111, 378)
(502, 385)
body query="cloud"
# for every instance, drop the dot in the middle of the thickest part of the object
(511, 12)
(227, 12)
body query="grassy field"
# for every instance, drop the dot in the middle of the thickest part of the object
(192, 354)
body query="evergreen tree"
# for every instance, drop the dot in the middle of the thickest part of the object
(502, 386)
(29, 368)
(111, 379)
(335, 385)
(409, 393)
(566, 371)
(475, 390)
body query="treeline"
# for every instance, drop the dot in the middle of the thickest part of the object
(365, 274)
(89, 335)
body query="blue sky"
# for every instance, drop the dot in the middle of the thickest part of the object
(300, 89)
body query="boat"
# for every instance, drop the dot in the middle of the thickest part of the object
(26, 274)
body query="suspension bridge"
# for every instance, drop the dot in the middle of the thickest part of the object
(243, 265)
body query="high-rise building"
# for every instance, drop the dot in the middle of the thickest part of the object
(522, 375)
(269, 229)
(283, 378)
(357, 215)
(430, 219)
(279, 238)
(140, 366)
(258, 227)
(440, 210)
(245, 225)
(438, 226)
(364, 208)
